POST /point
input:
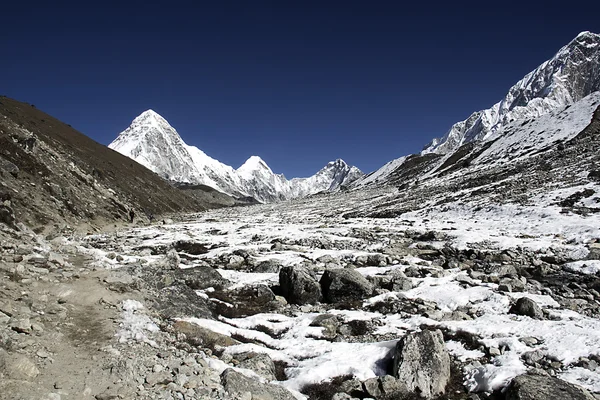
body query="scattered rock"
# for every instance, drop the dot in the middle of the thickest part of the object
(539, 387)
(526, 306)
(259, 363)
(298, 286)
(199, 336)
(328, 321)
(421, 361)
(237, 384)
(346, 284)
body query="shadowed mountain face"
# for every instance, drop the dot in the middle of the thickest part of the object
(51, 174)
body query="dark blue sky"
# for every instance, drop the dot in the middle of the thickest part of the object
(298, 83)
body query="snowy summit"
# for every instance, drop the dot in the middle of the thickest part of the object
(153, 142)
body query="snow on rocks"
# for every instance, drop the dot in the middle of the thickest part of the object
(136, 325)
(382, 281)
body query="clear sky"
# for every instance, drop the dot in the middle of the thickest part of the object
(298, 83)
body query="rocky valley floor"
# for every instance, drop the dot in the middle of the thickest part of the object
(293, 300)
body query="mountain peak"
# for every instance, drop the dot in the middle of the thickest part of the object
(572, 74)
(252, 165)
(587, 34)
(338, 163)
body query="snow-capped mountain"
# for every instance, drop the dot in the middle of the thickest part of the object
(572, 74)
(154, 143)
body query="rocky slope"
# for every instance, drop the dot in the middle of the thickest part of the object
(572, 75)
(294, 301)
(52, 176)
(152, 142)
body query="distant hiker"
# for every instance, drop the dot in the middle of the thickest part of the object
(131, 215)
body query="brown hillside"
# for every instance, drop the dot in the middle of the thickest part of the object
(52, 175)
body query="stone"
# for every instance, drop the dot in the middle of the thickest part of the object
(159, 378)
(539, 387)
(371, 387)
(259, 363)
(237, 384)
(20, 325)
(340, 285)
(391, 386)
(328, 321)
(532, 357)
(171, 260)
(56, 259)
(422, 362)
(19, 367)
(199, 336)
(298, 286)
(526, 306)
(202, 277)
(235, 262)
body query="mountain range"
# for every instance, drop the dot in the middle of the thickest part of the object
(153, 142)
(568, 77)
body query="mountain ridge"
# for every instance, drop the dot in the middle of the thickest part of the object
(154, 143)
(567, 78)
(542, 90)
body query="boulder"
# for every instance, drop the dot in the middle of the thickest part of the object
(298, 286)
(170, 260)
(422, 363)
(540, 387)
(239, 385)
(329, 322)
(202, 277)
(199, 336)
(527, 307)
(346, 284)
(245, 301)
(258, 362)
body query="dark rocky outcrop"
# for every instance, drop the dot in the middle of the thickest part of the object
(526, 306)
(298, 286)
(346, 284)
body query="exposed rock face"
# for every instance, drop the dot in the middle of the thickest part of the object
(240, 385)
(422, 362)
(347, 284)
(539, 387)
(528, 307)
(568, 77)
(298, 286)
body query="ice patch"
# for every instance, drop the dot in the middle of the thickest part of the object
(135, 325)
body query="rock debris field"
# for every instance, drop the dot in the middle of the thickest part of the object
(294, 301)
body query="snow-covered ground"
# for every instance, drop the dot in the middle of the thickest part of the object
(313, 231)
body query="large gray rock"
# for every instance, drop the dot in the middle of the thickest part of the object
(540, 387)
(202, 277)
(237, 384)
(527, 307)
(298, 286)
(421, 361)
(259, 363)
(346, 284)
(199, 336)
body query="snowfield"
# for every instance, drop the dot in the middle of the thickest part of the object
(458, 300)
